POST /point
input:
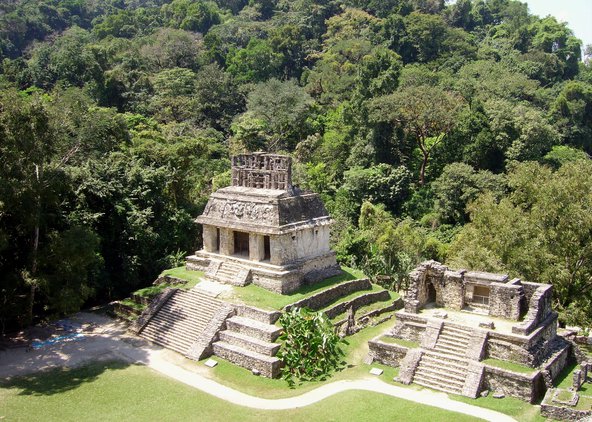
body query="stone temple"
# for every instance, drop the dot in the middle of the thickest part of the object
(263, 230)
(466, 332)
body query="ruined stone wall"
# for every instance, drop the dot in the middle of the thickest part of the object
(558, 360)
(505, 300)
(527, 387)
(529, 289)
(510, 348)
(453, 290)
(323, 298)
(530, 351)
(409, 327)
(539, 308)
(386, 353)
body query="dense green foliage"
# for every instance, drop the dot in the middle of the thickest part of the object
(117, 119)
(310, 345)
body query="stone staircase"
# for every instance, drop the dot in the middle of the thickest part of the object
(441, 372)
(249, 341)
(453, 341)
(180, 321)
(228, 272)
(445, 367)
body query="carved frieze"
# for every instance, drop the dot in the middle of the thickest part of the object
(237, 210)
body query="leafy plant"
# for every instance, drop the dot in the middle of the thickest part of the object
(311, 346)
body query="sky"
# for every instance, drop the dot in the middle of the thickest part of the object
(577, 14)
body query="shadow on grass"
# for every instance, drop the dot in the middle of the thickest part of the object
(60, 380)
(565, 378)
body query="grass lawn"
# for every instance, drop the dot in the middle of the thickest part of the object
(115, 391)
(192, 277)
(399, 341)
(518, 409)
(262, 298)
(510, 366)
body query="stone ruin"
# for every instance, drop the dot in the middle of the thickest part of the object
(263, 230)
(456, 325)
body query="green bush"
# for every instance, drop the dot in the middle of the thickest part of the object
(311, 347)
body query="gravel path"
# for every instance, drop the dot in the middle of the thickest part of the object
(108, 341)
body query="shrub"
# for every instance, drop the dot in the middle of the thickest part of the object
(311, 346)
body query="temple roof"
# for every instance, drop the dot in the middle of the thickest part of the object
(269, 211)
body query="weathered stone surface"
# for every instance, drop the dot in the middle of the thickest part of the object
(202, 347)
(476, 346)
(409, 365)
(561, 412)
(474, 379)
(539, 309)
(151, 310)
(432, 332)
(386, 353)
(327, 296)
(263, 219)
(526, 387)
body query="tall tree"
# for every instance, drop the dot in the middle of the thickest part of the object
(426, 113)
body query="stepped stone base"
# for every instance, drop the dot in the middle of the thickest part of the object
(182, 318)
(268, 366)
(283, 279)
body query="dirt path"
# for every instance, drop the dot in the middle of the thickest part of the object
(109, 341)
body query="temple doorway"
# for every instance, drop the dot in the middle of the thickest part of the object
(266, 248)
(241, 244)
(431, 293)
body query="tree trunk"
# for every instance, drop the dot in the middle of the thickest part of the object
(422, 169)
(38, 176)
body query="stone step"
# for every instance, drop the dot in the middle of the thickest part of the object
(179, 343)
(259, 330)
(261, 315)
(437, 386)
(268, 366)
(451, 343)
(435, 356)
(462, 332)
(181, 320)
(453, 338)
(428, 367)
(437, 378)
(450, 351)
(250, 343)
(181, 313)
(159, 325)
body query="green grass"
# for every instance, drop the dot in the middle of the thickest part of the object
(262, 298)
(368, 308)
(192, 277)
(151, 291)
(518, 409)
(399, 341)
(584, 403)
(132, 304)
(114, 391)
(564, 395)
(510, 366)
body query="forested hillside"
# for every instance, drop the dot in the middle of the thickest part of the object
(459, 132)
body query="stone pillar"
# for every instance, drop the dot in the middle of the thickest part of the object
(256, 247)
(275, 249)
(226, 242)
(210, 239)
